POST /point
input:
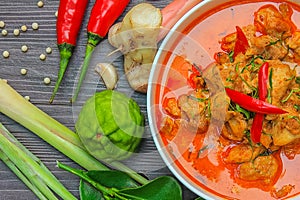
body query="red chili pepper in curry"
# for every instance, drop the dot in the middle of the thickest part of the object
(193, 76)
(103, 15)
(252, 104)
(257, 124)
(241, 43)
(69, 20)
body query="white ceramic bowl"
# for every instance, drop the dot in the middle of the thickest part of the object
(199, 47)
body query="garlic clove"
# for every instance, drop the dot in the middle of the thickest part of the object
(108, 73)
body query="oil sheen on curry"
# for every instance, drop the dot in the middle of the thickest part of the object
(257, 152)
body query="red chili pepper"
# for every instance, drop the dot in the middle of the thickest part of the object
(256, 129)
(103, 15)
(193, 76)
(191, 80)
(252, 104)
(241, 43)
(69, 19)
(195, 70)
(257, 124)
(263, 76)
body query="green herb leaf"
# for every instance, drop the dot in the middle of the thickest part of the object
(254, 66)
(197, 99)
(269, 97)
(297, 79)
(231, 56)
(243, 111)
(110, 179)
(113, 178)
(162, 188)
(295, 118)
(273, 42)
(270, 78)
(291, 78)
(237, 67)
(290, 94)
(88, 192)
(229, 79)
(254, 89)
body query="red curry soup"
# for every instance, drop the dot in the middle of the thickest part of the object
(257, 55)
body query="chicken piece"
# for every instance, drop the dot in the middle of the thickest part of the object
(266, 140)
(291, 101)
(292, 149)
(281, 80)
(243, 153)
(194, 113)
(171, 107)
(275, 51)
(297, 55)
(284, 191)
(244, 82)
(285, 129)
(169, 128)
(235, 125)
(269, 20)
(262, 168)
(234, 76)
(294, 44)
(267, 46)
(228, 42)
(227, 74)
(294, 41)
(197, 82)
(221, 57)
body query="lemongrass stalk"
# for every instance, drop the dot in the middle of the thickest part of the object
(21, 176)
(12, 139)
(12, 153)
(13, 105)
(31, 168)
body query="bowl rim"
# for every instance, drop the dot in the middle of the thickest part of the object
(153, 131)
(165, 157)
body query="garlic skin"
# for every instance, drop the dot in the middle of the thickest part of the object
(108, 73)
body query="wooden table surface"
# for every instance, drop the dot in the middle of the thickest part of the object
(25, 12)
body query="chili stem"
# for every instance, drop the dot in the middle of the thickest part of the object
(68, 23)
(65, 51)
(93, 41)
(86, 62)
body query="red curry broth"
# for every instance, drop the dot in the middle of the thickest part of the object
(217, 177)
